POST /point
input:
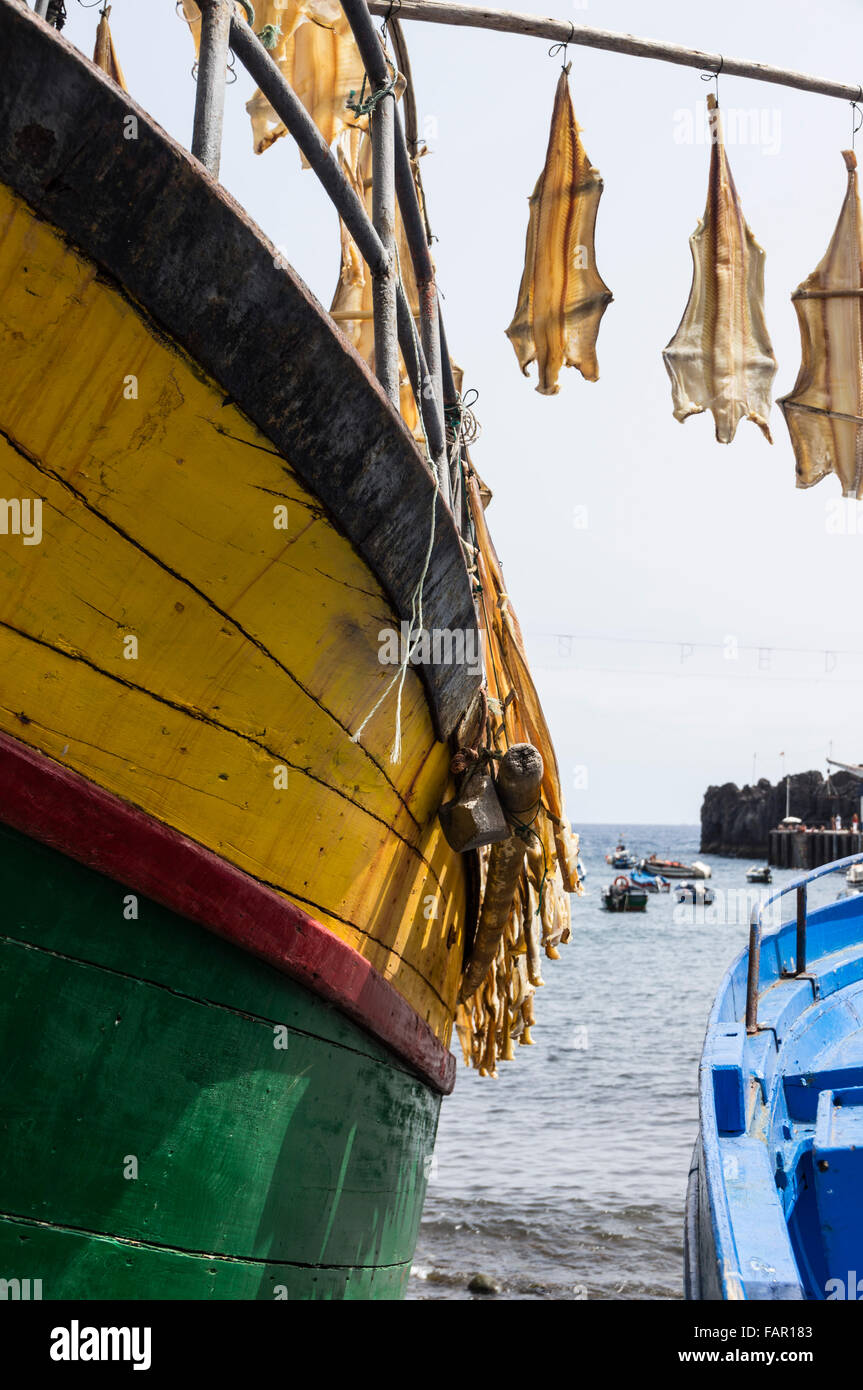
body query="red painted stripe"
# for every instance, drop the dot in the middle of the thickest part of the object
(62, 809)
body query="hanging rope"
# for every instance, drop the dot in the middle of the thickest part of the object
(270, 35)
(523, 829)
(855, 123)
(365, 108)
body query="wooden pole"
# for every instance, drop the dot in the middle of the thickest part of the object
(210, 91)
(562, 31)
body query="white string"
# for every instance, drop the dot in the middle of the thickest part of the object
(411, 644)
(417, 595)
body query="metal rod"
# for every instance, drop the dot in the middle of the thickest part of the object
(753, 971)
(430, 400)
(210, 91)
(384, 220)
(562, 31)
(801, 930)
(288, 107)
(41, 7)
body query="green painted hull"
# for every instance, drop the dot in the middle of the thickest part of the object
(155, 1142)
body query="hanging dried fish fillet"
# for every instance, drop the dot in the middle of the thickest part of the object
(561, 299)
(721, 358)
(104, 54)
(824, 412)
(318, 56)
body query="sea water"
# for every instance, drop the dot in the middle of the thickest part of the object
(565, 1178)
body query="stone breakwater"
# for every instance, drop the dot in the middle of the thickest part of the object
(736, 821)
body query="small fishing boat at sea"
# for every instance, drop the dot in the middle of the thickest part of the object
(624, 896)
(774, 1205)
(673, 868)
(759, 873)
(697, 893)
(653, 883)
(620, 858)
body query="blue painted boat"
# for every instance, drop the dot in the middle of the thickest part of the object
(654, 883)
(774, 1206)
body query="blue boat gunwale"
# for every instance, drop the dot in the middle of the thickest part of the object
(833, 931)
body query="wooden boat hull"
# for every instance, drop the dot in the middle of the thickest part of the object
(161, 1137)
(775, 1198)
(233, 515)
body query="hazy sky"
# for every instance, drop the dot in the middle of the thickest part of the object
(615, 523)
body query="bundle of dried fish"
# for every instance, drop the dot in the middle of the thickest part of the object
(824, 412)
(562, 298)
(721, 359)
(500, 1011)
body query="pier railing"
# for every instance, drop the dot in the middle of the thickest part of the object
(800, 887)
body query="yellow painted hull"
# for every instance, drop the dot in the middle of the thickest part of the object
(255, 651)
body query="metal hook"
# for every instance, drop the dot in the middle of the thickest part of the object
(397, 4)
(855, 123)
(563, 45)
(714, 76)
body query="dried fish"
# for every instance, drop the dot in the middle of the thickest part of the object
(104, 54)
(562, 298)
(721, 359)
(824, 412)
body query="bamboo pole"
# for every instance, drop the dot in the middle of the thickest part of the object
(562, 31)
(210, 91)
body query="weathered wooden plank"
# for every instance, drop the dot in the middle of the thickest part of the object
(140, 208)
(75, 1266)
(272, 653)
(174, 1137)
(169, 949)
(241, 1148)
(61, 809)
